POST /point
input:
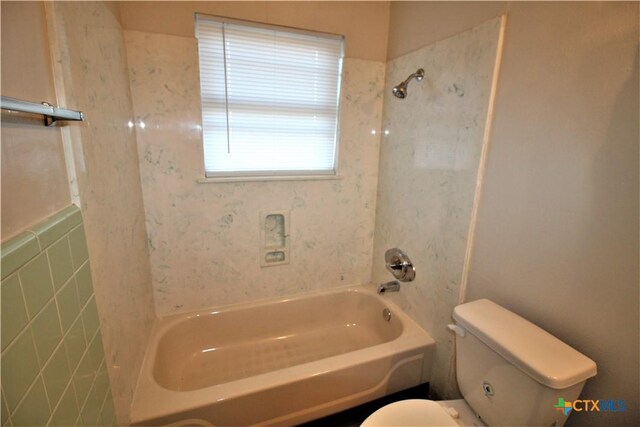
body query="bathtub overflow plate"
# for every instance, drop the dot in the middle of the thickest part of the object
(386, 314)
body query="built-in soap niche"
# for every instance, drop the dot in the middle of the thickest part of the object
(274, 229)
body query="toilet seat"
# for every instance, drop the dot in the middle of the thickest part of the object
(412, 412)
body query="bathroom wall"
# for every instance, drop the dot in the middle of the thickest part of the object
(34, 178)
(556, 237)
(429, 159)
(557, 230)
(557, 234)
(364, 24)
(413, 25)
(53, 366)
(204, 237)
(91, 70)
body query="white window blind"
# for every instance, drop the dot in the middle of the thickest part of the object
(269, 99)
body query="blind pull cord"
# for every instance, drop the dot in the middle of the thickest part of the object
(226, 90)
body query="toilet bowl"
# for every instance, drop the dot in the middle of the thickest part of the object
(420, 412)
(509, 372)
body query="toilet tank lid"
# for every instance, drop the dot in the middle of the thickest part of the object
(536, 352)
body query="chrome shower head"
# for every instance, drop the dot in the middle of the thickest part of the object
(400, 91)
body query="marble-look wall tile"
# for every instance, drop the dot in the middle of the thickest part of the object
(428, 169)
(204, 238)
(89, 53)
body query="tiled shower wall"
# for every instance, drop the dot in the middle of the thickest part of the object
(53, 367)
(429, 160)
(91, 75)
(204, 237)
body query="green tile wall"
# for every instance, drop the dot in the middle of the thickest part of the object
(53, 368)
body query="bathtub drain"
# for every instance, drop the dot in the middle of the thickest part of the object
(386, 314)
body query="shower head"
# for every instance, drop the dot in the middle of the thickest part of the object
(400, 91)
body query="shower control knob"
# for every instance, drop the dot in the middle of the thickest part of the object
(396, 266)
(399, 264)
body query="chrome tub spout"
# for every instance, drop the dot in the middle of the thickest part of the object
(393, 286)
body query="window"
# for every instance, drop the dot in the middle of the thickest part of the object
(269, 98)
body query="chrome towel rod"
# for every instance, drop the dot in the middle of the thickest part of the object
(50, 113)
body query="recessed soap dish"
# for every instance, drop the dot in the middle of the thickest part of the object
(274, 231)
(273, 257)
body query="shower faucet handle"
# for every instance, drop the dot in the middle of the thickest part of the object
(396, 266)
(399, 264)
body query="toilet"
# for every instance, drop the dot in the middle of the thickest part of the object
(509, 372)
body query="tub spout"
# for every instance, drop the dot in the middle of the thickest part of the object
(393, 286)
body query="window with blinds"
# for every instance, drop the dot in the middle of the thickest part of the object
(269, 98)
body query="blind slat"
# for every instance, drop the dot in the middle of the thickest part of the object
(275, 105)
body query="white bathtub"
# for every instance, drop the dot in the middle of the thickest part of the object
(279, 362)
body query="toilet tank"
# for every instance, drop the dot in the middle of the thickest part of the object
(510, 371)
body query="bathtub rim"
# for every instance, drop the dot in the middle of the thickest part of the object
(162, 402)
(163, 322)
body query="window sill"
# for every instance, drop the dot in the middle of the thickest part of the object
(225, 179)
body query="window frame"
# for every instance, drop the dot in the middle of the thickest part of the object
(275, 175)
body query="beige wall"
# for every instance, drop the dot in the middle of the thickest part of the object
(557, 231)
(415, 24)
(89, 46)
(34, 177)
(364, 24)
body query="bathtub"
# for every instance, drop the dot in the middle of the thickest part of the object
(279, 362)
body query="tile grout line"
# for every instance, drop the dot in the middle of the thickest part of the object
(24, 304)
(40, 369)
(4, 403)
(69, 385)
(26, 330)
(55, 291)
(25, 261)
(29, 321)
(103, 362)
(26, 393)
(44, 364)
(104, 399)
(37, 240)
(96, 373)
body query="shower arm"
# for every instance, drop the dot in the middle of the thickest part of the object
(400, 91)
(418, 75)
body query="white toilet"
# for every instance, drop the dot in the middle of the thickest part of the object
(509, 371)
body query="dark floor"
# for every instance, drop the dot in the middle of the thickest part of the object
(355, 416)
